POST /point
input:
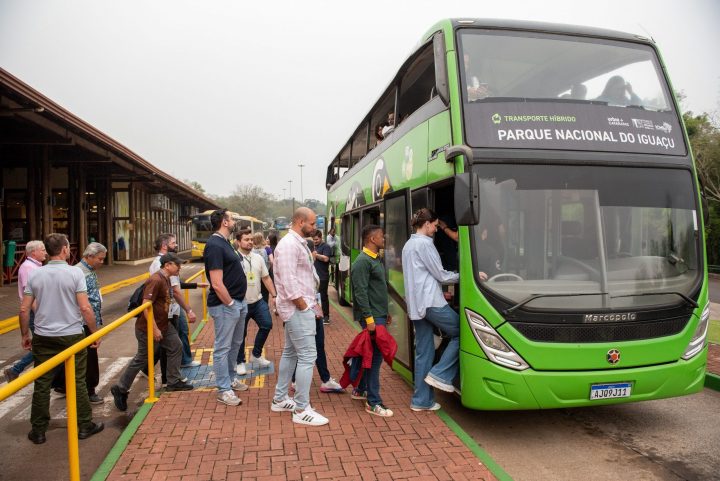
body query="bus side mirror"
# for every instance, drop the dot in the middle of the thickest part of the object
(467, 199)
(441, 75)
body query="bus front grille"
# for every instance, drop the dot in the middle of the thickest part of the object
(628, 331)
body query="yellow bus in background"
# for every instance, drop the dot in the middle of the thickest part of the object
(203, 229)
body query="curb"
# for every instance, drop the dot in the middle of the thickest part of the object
(466, 439)
(712, 381)
(119, 448)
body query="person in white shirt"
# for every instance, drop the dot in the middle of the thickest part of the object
(256, 272)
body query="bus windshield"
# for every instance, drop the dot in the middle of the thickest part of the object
(559, 91)
(627, 237)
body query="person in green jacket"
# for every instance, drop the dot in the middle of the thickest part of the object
(370, 309)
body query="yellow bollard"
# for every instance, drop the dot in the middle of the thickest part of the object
(204, 298)
(152, 398)
(71, 399)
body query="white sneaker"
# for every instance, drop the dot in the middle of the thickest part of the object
(190, 364)
(260, 361)
(229, 398)
(331, 386)
(309, 417)
(439, 384)
(287, 404)
(434, 407)
(241, 370)
(238, 385)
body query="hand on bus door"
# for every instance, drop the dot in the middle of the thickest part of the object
(483, 276)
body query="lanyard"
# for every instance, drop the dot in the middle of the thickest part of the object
(249, 260)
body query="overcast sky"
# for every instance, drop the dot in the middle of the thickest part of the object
(231, 92)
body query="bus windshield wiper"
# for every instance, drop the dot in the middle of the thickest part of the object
(688, 300)
(531, 298)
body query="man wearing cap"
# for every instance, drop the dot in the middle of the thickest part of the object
(157, 290)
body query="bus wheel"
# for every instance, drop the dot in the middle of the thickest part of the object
(341, 293)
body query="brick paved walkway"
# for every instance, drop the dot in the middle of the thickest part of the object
(190, 436)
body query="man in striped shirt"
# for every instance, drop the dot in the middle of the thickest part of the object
(296, 282)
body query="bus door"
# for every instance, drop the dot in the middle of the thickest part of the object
(351, 245)
(397, 232)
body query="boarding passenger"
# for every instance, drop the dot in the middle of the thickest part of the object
(296, 283)
(158, 290)
(60, 294)
(257, 274)
(370, 309)
(258, 242)
(178, 307)
(427, 308)
(328, 383)
(227, 306)
(322, 254)
(35, 255)
(93, 258)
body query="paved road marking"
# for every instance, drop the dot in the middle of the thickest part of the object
(108, 372)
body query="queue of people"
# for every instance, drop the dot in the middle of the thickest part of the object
(294, 272)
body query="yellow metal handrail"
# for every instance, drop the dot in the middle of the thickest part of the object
(12, 323)
(200, 274)
(68, 357)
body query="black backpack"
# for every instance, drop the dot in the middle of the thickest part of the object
(136, 299)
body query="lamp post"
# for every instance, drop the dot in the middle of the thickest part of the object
(293, 199)
(302, 197)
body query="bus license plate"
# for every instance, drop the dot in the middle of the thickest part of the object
(610, 391)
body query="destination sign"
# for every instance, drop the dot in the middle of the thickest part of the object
(544, 125)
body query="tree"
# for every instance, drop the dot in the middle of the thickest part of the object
(195, 185)
(248, 199)
(705, 142)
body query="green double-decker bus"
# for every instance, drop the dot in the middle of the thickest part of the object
(559, 155)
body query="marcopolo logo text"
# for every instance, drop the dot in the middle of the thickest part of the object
(615, 317)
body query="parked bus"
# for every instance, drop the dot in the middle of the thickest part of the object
(560, 155)
(203, 229)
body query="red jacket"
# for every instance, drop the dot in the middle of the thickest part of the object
(361, 348)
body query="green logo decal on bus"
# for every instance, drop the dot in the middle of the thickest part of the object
(496, 118)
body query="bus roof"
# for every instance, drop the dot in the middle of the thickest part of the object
(546, 27)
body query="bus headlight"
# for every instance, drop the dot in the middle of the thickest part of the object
(492, 344)
(698, 340)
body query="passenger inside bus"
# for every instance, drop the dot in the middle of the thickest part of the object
(390, 125)
(475, 87)
(619, 92)
(577, 92)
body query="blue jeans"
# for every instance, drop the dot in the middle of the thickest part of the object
(321, 361)
(261, 313)
(229, 325)
(27, 359)
(183, 331)
(299, 356)
(370, 381)
(448, 321)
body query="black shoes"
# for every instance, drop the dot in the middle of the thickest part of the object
(89, 430)
(119, 397)
(95, 399)
(179, 386)
(36, 438)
